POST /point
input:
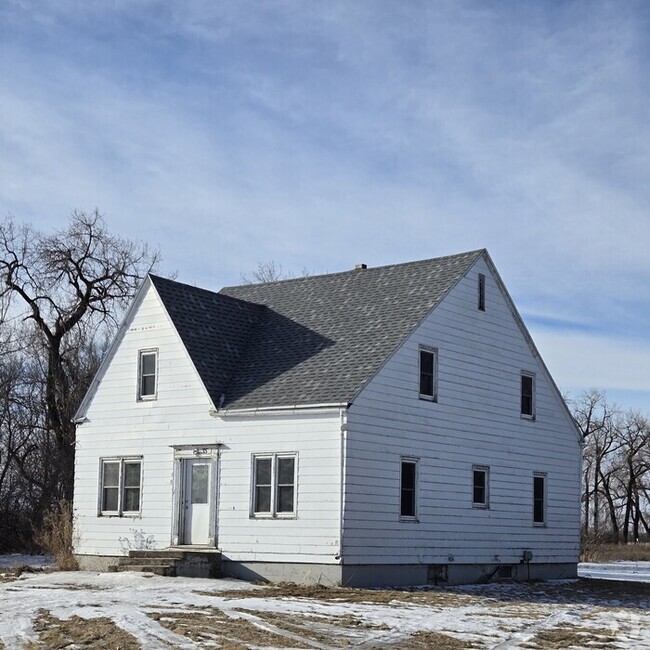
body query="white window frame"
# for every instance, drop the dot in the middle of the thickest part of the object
(141, 354)
(120, 512)
(416, 491)
(544, 477)
(486, 470)
(527, 373)
(273, 513)
(434, 352)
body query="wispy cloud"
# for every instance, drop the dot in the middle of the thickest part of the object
(325, 134)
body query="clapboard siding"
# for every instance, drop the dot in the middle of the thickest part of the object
(118, 425)
(476, 421)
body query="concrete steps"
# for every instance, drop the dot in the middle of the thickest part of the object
(190, 563)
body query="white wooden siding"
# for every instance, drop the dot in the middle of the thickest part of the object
(476, 420)
(119, 425)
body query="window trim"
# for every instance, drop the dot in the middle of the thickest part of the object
(273, 513)
(544, 477)
(120, 512)
(531, 375)
(485, 505)
(481, 291)
(434, 353)
(416, 489)
(148, 397)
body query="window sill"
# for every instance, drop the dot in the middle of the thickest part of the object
(480, 506)
(428, 398)
(262, 515)
(532, 418)
(147, 398)
(409, 520)
(121, 515)
(540, 525)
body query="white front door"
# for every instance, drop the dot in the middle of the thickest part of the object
(196, 501)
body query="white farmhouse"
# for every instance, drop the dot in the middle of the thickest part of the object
(382, 426)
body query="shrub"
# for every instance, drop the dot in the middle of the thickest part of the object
(55, 535)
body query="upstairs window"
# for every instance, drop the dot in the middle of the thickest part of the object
(481, 292)
(480, 476)
(274, 485)
(147, 374)
(408, 488)
(528, 395)
(539, 499)
(120, 486)
(428, 373)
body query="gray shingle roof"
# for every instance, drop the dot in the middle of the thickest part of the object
(214, 328)
(313, 340)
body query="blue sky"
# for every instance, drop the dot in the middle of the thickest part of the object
(322, 134)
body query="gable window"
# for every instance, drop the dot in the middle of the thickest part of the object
(147, 371)
(528, 395)
(408, 488)
(481, 292)
(428, 373)
(274, 485)
(539, 499)
(480, 485)
(120, 486)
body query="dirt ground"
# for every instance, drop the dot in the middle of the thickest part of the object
(539, 616)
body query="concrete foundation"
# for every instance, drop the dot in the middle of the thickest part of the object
(395, 575)
(356, 575)
(96, 562)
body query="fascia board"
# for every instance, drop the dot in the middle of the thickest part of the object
(112, 349)
(398, 347)
(531, 343)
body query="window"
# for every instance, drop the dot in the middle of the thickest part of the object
(120, 486)
(408, 488)
(528, 395)
(428, 373)
(539, 499)
(480, 480)
(481, 292)
(147, 366)
(274, 485)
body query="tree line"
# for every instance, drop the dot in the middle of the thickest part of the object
(61, 297)
(615, 469)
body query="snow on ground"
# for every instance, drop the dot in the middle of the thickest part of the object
(634, 571)
(193, 613)
(14, 560)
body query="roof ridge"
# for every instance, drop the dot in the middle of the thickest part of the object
(217, 294)
(476, 252)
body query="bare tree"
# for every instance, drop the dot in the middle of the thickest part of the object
(68, 286)
(270, 272)
(594, 417)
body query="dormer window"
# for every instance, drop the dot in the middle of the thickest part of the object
(428, 373)
(147, 371)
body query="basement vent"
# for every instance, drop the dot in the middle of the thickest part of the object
(504, 573)
(436, 573)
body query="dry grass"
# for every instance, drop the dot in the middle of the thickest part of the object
(212, 625)
(567, 636)
(597, 552)
(101, 633)
(55, 536)
(13, 573)
(325, 629)
(437, 640)
(432, 597)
